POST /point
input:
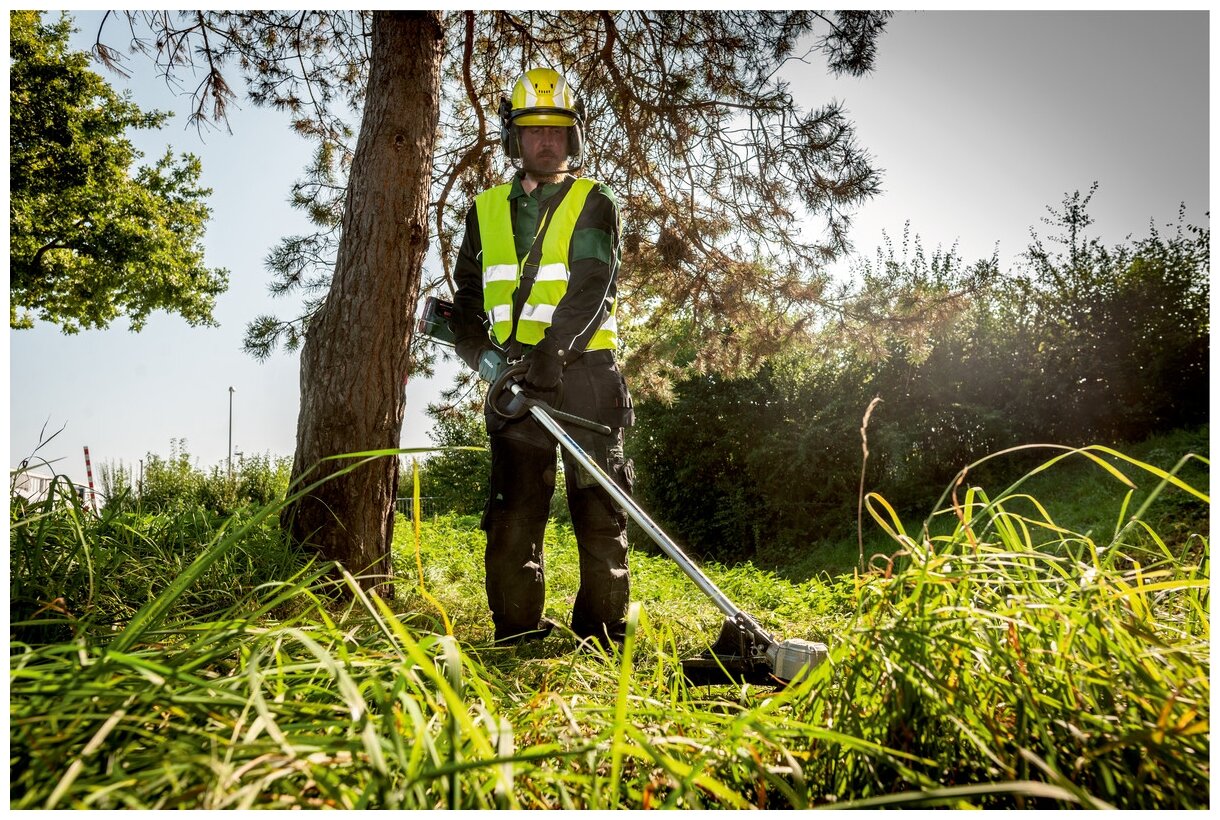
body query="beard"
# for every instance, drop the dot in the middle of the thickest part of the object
(545, 178)
(546, 168)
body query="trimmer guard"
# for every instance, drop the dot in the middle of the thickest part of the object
(736, 657)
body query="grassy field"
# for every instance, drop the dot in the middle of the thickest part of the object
(1027, 651)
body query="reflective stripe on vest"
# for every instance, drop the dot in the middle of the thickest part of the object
(502, 269)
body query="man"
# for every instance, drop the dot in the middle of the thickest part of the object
(537, 269)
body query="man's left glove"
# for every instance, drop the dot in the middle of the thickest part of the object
(545, 373)
(491, 364)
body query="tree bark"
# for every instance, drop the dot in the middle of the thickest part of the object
(355, 354)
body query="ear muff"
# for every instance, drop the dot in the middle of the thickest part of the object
(576, 136)
(508, 139)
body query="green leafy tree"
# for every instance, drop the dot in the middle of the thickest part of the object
(456, 479)
(1165, 294)
(90, 237)
(1093, 343)
(1125, 329)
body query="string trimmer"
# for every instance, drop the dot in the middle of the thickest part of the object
(743, 651)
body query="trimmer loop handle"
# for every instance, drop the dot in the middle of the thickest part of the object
(507, 399)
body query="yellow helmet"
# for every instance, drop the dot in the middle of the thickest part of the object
(542, 96)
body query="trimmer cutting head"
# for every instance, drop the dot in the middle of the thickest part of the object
(738, 656)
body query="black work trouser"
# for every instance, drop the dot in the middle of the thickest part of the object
(523, 470)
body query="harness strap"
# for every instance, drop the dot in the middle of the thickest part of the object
(529, 271)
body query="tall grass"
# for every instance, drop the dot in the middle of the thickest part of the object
(1009, 663)
(1015, 649)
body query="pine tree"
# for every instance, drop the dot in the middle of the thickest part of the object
(715, 168)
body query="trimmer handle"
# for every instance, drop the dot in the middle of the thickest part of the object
(508, 385)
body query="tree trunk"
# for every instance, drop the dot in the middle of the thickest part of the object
(355, 354)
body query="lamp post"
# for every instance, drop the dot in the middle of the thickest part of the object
(230, 456)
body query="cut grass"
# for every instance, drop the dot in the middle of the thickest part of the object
(1007, 661)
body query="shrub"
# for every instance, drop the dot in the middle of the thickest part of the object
(175, 483)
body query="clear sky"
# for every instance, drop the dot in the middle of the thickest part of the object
(980, 120)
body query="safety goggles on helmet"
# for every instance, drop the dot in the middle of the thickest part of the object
(542, 96)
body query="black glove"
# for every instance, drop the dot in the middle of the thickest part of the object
(545, 373)
(470, 349)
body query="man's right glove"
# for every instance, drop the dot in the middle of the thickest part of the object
(470, 348)
(544, 374)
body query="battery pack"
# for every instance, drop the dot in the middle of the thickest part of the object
(434, 323)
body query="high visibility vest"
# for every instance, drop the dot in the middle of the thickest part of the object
(502, 269)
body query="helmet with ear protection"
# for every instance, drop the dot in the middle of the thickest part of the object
(542, 96)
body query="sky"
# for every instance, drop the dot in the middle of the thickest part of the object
(980, 121)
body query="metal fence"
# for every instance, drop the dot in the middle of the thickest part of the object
(404, 505)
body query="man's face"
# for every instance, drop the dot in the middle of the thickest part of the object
(544, 148)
